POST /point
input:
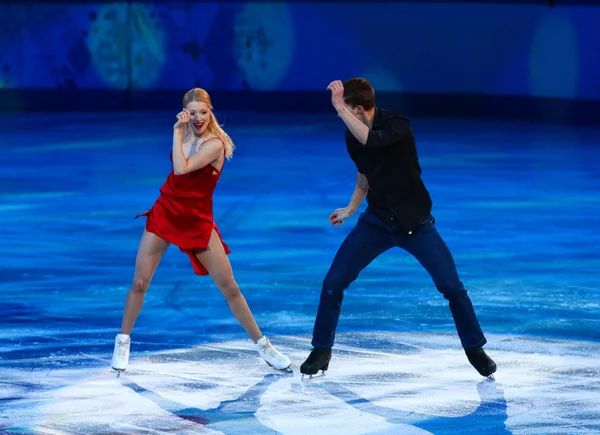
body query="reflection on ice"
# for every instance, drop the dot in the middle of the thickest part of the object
(377, 383)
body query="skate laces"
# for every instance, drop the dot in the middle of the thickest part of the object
(269, 350)
(122, 349)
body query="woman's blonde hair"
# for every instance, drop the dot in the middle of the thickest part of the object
(200, 95)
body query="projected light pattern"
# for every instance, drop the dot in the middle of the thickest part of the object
(490, 49)
(127, 45)
(555, 57)
(264, 43)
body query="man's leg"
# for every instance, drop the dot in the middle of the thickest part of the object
(428, 247)
(362, 245)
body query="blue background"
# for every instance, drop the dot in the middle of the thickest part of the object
(481, 50)
(517, 203)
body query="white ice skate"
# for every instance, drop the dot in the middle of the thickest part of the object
(120, 357)
(271, 355)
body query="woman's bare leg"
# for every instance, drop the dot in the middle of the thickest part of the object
(149, 254)
(215, 260)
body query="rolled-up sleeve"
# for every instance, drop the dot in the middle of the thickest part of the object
(394, 130)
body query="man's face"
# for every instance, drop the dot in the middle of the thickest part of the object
(358, 112)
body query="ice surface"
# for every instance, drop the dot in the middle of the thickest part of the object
(517, 204)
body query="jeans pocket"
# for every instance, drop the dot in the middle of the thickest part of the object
(429, 220)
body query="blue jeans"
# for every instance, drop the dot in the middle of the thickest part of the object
(370, 238)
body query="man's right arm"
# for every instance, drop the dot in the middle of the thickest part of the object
(394, 131)
(360, 191)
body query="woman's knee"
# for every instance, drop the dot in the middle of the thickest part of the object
(141, 283)
(229, 289)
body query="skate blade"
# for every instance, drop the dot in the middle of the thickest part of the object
(312, 377)
(288, 369)
(119, 371)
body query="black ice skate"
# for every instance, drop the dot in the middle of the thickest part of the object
(317, 360)
(482, 362)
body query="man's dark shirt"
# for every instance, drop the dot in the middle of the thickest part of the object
(390, 163)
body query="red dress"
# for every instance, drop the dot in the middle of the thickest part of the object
(183, 212)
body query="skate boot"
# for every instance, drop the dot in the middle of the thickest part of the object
(271, 355)
(481, 361)
(317, 360)
(120, 357)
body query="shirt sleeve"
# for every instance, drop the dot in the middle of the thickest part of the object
(394, 130)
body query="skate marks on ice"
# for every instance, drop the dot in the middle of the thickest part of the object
(377, 383)
(488, 418)
(231, 416)
(543, 386)
(210, 389)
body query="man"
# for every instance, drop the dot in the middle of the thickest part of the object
(382, 145)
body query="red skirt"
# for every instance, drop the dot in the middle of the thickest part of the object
(190, 232)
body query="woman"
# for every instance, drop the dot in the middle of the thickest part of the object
(183, 216)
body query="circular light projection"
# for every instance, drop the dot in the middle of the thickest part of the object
(127, 45)
(554, 59)
(383, 80)
(264, 43)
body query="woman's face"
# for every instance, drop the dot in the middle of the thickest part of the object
(199, 116)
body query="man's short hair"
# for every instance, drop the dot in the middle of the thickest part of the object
(359, 92)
